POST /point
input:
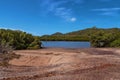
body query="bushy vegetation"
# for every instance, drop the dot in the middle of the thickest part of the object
(115, 43)
(106, 38)
(19, 39)
(98, 37)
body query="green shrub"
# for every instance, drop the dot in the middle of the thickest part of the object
(36, 44)
(18, 39)
(115, 43)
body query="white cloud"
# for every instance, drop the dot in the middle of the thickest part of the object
(73, 19)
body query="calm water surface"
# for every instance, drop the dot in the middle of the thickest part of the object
(65, 44)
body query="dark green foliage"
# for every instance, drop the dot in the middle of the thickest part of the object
(35, 44)
(18, 39)
(106, 38)
(115, 43)
(65, 38)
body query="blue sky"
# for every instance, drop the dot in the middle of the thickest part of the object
(41, 17)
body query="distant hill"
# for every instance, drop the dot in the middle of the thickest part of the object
(57, 33)
(80, 35)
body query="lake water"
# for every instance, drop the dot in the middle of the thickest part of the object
(66, 44)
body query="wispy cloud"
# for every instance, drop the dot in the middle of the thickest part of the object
(108, 11)
(77, 1)
(105, 0)
(73, 19)
(58, 9)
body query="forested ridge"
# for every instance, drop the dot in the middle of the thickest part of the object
(97, 36)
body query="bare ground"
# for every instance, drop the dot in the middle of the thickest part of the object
(64, 64)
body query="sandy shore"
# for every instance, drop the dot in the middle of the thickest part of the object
(64, 64)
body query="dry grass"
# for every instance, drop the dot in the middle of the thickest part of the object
(5, 58)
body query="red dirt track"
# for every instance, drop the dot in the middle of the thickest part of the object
(64, 64)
